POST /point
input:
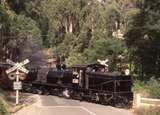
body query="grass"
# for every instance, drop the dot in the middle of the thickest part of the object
(149, 88)
(3, 110)
(148, 111)
(3, 104)
(7, 103)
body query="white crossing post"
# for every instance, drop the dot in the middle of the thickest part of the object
(17, 67)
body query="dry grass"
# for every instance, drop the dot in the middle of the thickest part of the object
(148, 111)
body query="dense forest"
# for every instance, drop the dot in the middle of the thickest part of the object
(127, 32)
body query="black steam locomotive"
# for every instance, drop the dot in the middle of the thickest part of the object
(87, 82)
(83, 82)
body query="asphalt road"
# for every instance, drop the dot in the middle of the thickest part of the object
(52, 105)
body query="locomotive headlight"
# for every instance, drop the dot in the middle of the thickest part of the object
(75, 81)
(127, 72)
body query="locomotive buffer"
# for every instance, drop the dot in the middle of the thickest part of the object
(18, 67)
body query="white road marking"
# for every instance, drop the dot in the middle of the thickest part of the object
(39, 102)
(90, 112)
(50, 107)
(59, 101)
(79, 107)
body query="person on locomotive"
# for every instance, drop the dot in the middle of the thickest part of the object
(61, 67)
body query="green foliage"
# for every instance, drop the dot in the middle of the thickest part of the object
(22, 28)
(102, 47)
(154, 88)
(66, 46)
(81, 28)
(149, 88)
(140, 87)
(16, 29)
(2, 109)
(3, 105)
(143, 39)
(75, 58)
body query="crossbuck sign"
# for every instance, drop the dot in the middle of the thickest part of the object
(18, 67)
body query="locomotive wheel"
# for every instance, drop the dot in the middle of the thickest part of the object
(34, 91)
(81, 96)
(66, 93)
(108, 99)
(41, 90)
(95, 97)
(123, 102)
(54, 92)
(77, 95)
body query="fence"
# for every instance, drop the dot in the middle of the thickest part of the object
(140, 101)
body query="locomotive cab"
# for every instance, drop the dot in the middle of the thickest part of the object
(79, 72)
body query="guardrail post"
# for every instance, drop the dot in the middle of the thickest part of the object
(137, 100)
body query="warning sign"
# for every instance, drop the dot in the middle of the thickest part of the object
(17, 85)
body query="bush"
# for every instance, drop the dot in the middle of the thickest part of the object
(149, 88)
(3, 110)
(3, 103)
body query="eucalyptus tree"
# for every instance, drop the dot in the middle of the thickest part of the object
(16, 29)
(95, 38)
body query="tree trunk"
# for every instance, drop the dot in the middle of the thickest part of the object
(70, 24)
(66, 27)
(92, 26)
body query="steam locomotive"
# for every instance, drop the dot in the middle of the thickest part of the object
(87, 82)
(83, 82)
